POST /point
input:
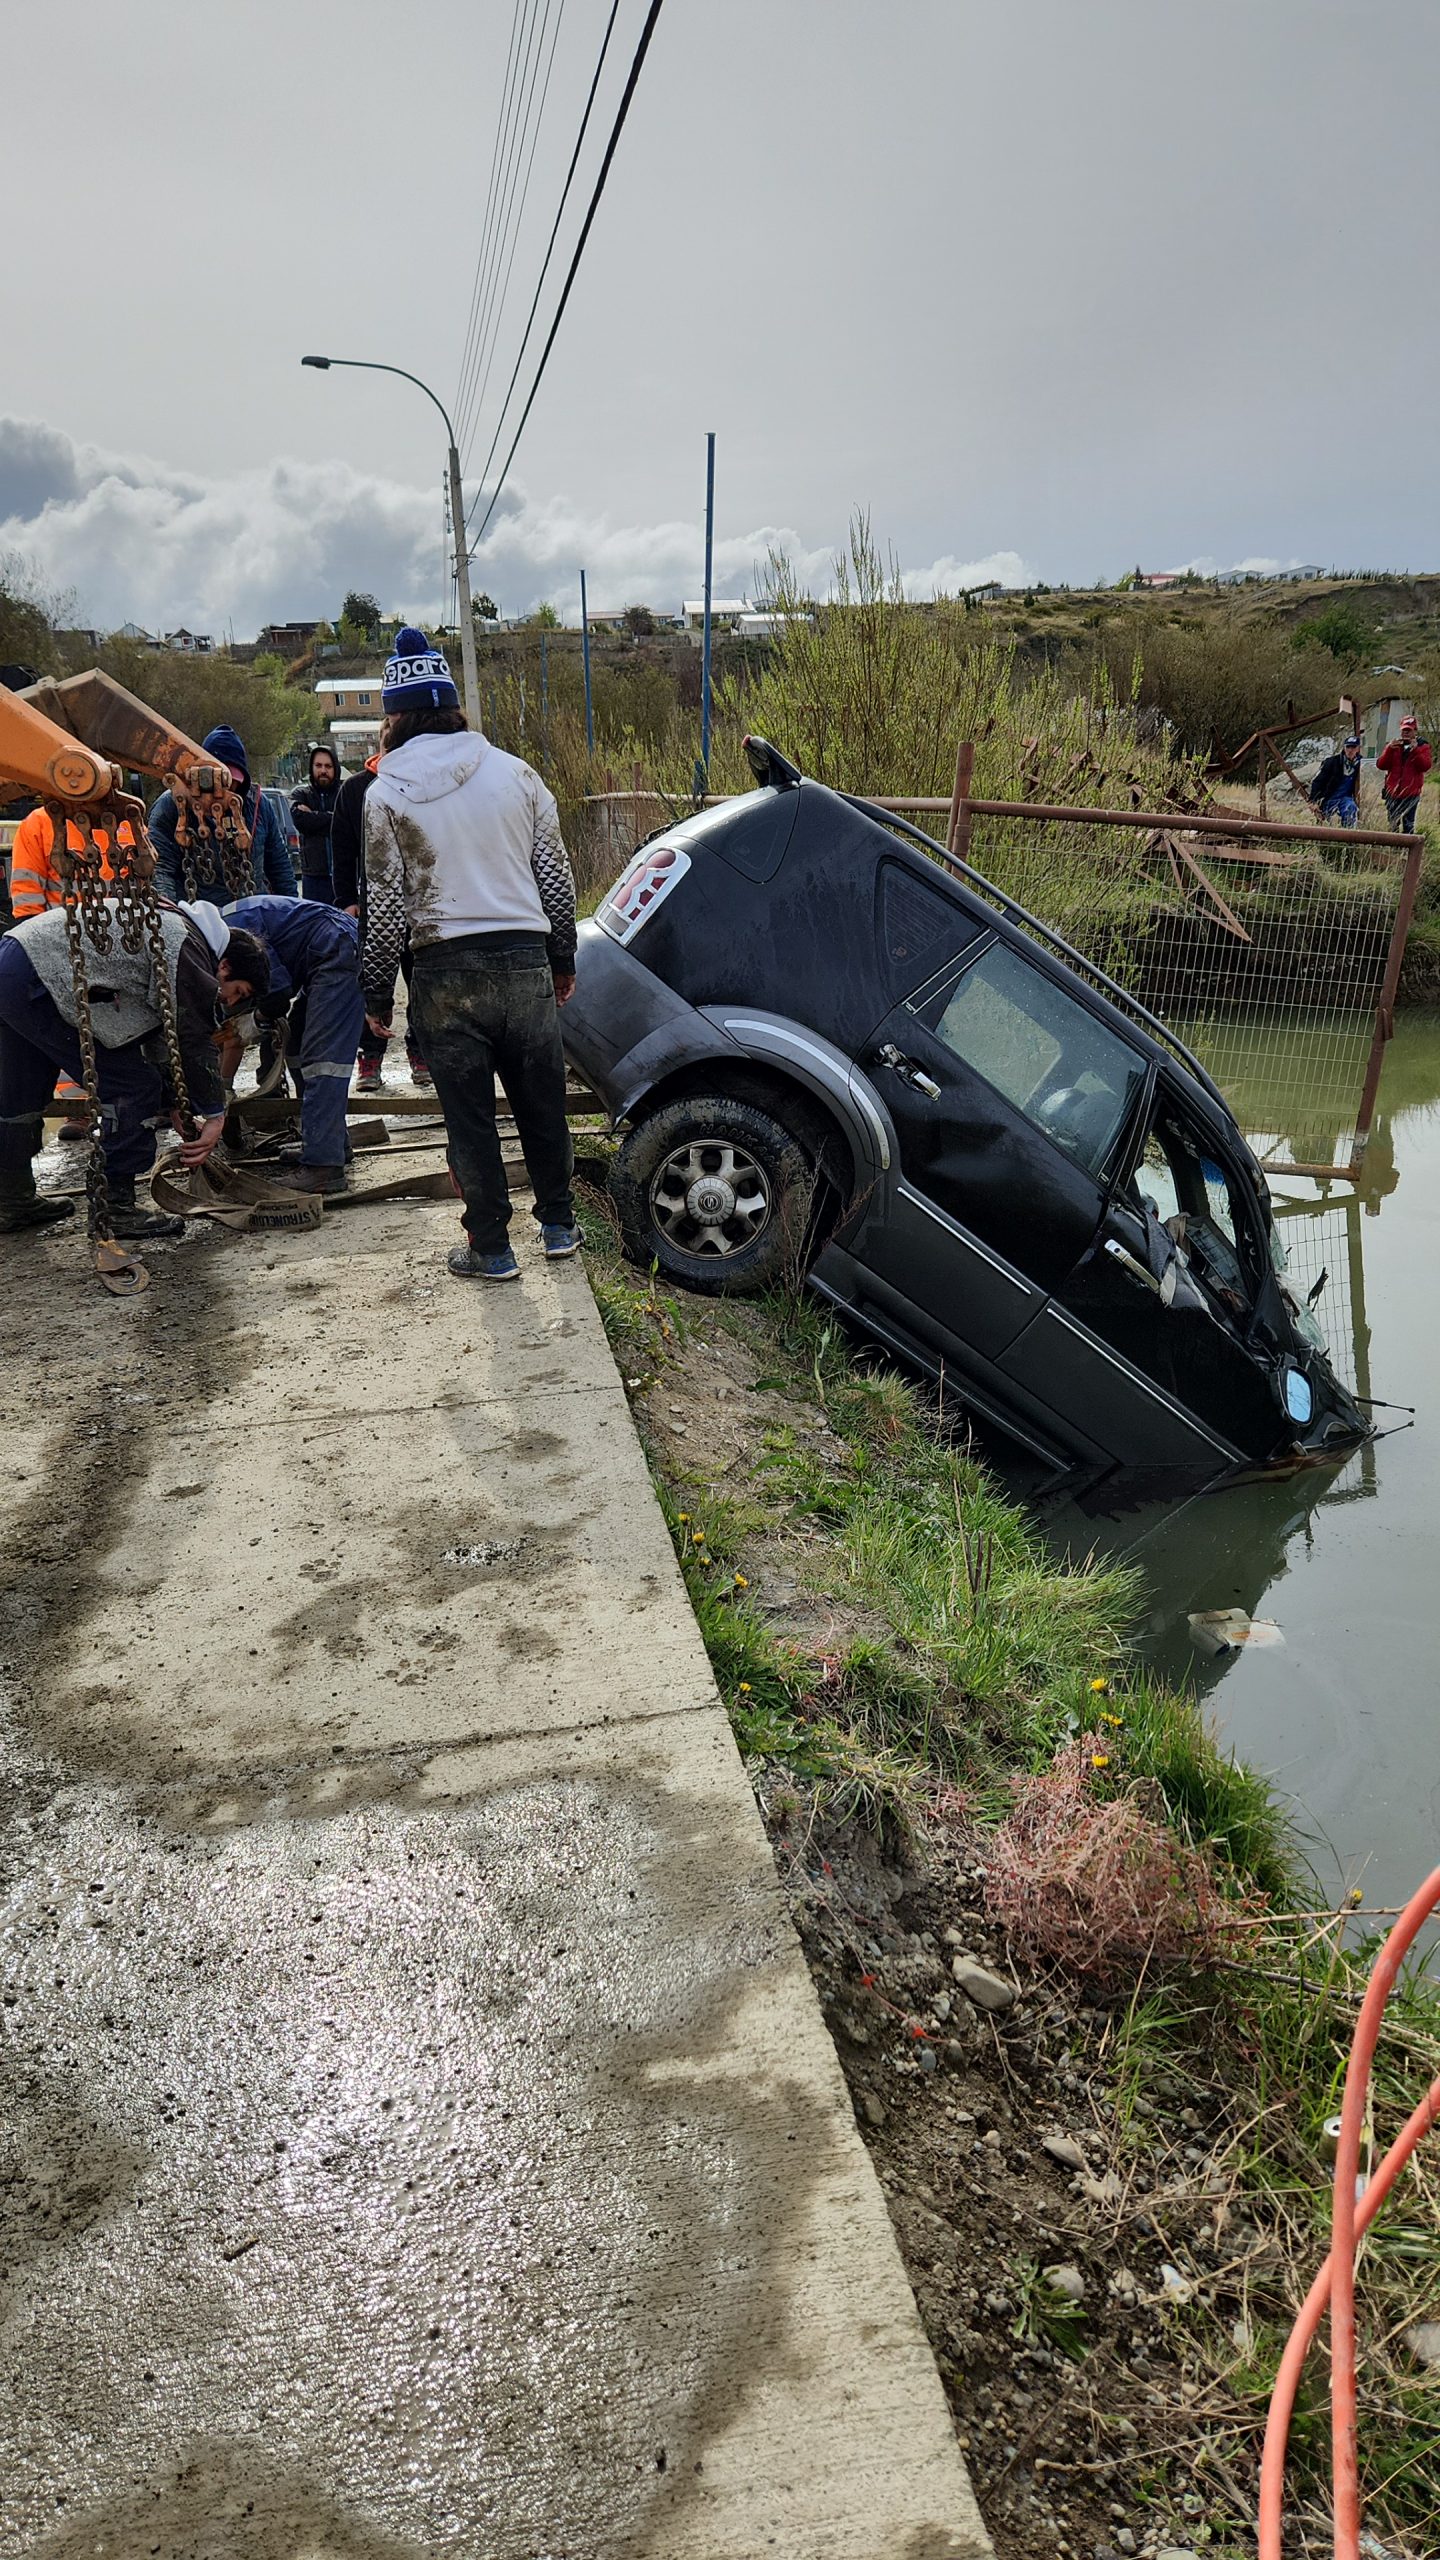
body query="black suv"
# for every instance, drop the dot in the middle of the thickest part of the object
(835, 1049)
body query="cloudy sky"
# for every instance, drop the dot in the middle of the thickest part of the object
(1048, 288)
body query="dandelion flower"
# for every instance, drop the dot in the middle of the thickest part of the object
(1099, 1687)
(744, 1688)
(682, 1517)
(741, 1582)
(1099, 1759)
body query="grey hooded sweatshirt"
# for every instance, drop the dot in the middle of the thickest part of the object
(460, 838)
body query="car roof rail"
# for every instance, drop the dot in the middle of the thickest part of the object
(1011, 908)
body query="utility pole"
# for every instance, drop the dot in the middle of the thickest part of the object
(365, 364)
(462, 582)
(585, 654)
(702, 777)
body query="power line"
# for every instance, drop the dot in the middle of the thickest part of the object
(516, 14)
(499, 224)
(490, 336)
(550, 244)
(632, 81)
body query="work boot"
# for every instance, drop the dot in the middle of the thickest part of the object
(130, 1224)
(16, 1215)
(20, 1204)
(420, 1075)
(369, 1075)
(326, 1178)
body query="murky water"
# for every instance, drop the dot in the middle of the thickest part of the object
(1346, 1712)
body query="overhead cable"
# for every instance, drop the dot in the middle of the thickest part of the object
(490, 333)
(501, 123)
(550, 244)
(632, 81)
(498, 229)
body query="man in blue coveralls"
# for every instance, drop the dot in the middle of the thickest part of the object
(315, 962)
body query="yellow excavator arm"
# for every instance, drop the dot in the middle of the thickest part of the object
(117, 724)
(40, 754)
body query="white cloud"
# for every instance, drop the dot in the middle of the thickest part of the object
(136, 540)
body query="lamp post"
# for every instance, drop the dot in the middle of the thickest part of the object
(363, 364)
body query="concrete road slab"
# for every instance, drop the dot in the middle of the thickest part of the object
(420, 2133)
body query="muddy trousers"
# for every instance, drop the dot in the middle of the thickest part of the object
(326, 1020)
(35, 1039)
(484, 1004)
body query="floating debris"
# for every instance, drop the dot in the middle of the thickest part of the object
(1216, 1631)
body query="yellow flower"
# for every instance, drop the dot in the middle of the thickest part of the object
(744, 1688)
(682, 1517)
(1099, 1759)
(741, 1582)
(1115, 1720)
(1099, 1687)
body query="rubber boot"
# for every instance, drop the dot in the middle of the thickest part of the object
(129, 1223)
(21, 1206)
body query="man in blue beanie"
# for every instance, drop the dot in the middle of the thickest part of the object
(270, 854)
(463, 848)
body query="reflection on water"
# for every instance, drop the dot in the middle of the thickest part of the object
(1348, 1562)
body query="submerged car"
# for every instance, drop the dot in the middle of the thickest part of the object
(834, 1050)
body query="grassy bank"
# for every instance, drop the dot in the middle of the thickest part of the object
(953, 1744)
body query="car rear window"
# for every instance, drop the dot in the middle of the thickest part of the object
(1042, 1049)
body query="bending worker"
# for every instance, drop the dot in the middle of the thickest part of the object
(214, 970)
(314, 954)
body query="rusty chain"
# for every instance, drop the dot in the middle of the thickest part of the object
(210, 819)
(87, 919)
(95, 909)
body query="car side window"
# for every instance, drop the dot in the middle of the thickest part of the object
(1070, 1074)
(920, 928)
(1179, 1182)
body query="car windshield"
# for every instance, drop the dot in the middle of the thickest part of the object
(1071, 1075)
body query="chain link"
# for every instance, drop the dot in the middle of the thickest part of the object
(87, 919)
(95, 910)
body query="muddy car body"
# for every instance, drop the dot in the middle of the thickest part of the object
(833, 1049)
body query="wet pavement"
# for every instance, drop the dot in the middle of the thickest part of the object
(419, 2132)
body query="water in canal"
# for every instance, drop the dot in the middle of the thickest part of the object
(1344, 1713)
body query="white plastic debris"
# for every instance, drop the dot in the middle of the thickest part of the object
(1216, 1631)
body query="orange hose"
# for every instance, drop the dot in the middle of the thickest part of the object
(1342, 2224)
(1287, 2380)
(1336, 2280)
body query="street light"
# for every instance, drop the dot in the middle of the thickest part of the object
(362, 364)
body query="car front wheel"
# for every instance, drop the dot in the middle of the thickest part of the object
(717, 1193)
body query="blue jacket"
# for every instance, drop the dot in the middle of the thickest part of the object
(273, 867)
(301, 936)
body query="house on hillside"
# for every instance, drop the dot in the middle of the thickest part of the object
(725, 612)
(349, 707)
(288, 639)
(190, 644)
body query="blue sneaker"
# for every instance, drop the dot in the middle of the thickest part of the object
(467, 1264)
(560, 1242)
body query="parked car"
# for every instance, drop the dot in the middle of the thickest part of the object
(832, 1050)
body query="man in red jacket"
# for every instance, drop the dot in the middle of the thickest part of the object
(1405, 763)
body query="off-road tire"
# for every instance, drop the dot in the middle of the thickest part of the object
(727, 1263)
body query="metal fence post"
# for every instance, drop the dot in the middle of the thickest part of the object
(1385, 1010)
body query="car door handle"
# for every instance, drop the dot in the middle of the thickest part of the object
(906, 1069)
(1135, 1270)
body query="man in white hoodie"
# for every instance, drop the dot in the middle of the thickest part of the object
(463, 848)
